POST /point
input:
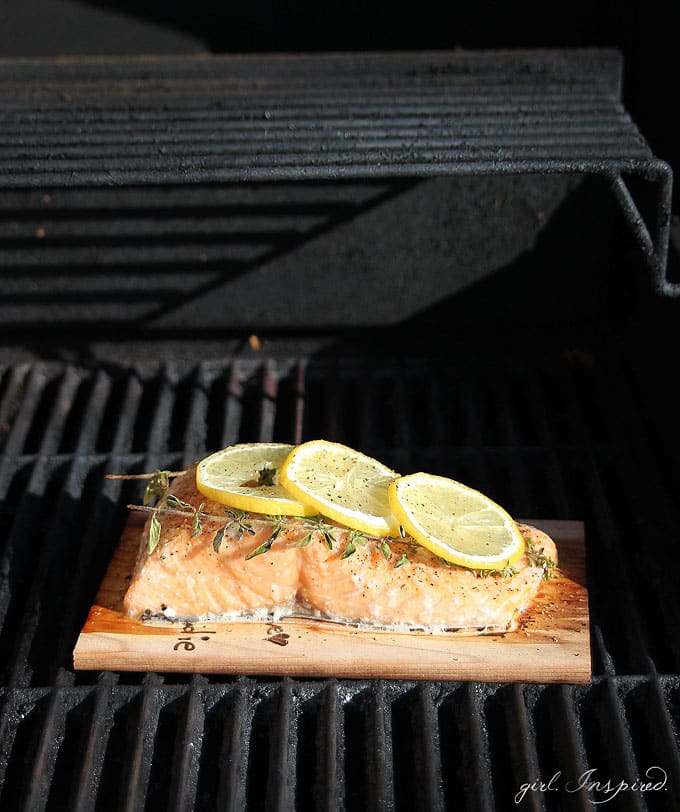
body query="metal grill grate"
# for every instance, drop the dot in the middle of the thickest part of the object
(330, 745)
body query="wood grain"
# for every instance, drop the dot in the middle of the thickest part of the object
(552, 643)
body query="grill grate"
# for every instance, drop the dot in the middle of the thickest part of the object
(349, 745)
(540, 432)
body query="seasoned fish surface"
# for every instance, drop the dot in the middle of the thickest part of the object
(185, 578)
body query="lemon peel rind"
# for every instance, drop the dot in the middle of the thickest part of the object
(439, 548)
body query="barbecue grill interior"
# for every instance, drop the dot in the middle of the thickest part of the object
(510, 324)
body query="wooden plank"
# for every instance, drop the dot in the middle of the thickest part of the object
(552, 643)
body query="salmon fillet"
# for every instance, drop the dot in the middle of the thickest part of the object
(186, 578)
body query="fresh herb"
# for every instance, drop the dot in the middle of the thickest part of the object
(240, 523)
(350, 549)
(154, 533)
(357, 537)
(173, 502)
(505, 572)
(320, 525)
(157, 491)
(303, 541)
(265, 476)
(265, 547)
(196, 523)
(278, 526)
(239, 520)
(218, 539)
(537, 558)
(170, 474)
(157, 488)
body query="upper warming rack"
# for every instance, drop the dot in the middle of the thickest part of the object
(275, 118)
(208, 119)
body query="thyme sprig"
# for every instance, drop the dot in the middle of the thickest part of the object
(154, 533)
(350, 549)
(278, 526)
(157, 491)
(196, 526)
(172, 501)
(157, 488)
(354, 537)
(171, 475)
(537, 558)
(303, 541)
(318, 524)
(239, 523)
(507, 571)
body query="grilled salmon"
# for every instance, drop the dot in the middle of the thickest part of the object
(321, 571)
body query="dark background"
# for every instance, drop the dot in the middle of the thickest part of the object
(646, 33)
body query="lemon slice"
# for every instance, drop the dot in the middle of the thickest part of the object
(246, 477)
(342, 484)
(455, 522)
